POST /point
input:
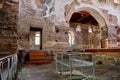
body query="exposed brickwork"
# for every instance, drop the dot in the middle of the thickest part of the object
(37, 14)
(8, 26)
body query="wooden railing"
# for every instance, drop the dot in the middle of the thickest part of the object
(8, 67)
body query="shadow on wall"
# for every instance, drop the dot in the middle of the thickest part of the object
(23, 56)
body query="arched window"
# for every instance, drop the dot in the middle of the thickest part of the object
(71, 38)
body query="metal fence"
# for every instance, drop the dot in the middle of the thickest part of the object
(75, 63)
(8, 67)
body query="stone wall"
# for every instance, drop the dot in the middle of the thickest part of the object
(8, 26)
(55, 14)
(85, 39)
(59, 13)
(61, 38)
(41, 14)
(37, 14)
(106, 13)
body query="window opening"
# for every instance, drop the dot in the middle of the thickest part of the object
(37, 38)
(71, 38)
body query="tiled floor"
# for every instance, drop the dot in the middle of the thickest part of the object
(47, 72)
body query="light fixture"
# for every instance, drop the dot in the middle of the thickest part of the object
(78, 28)
(89, 29)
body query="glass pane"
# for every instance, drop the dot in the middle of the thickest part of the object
(71, 38)
(37, 34)
(37, 40)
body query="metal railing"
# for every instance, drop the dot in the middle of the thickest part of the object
(75, 63)
(8, 67)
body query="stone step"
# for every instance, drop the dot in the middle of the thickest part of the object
(38, 57)
(39, 62)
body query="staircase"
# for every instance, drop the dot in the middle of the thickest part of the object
(38, 57)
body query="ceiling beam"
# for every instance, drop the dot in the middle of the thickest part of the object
(83, 17)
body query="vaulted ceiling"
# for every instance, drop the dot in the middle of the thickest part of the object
(84, 18)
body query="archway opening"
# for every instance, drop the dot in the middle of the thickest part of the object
(88, 32)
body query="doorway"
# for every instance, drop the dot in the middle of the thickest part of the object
(35, 38)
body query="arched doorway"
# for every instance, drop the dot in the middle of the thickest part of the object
(90, 31)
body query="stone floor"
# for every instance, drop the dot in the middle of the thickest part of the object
(38, 72)
(105, 72)
(47, 72)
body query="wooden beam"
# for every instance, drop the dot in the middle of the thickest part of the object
(83, 17)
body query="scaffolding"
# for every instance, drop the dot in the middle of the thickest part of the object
(75, 63)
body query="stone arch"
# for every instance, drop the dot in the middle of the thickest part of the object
(102, 22)
(96, 13)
